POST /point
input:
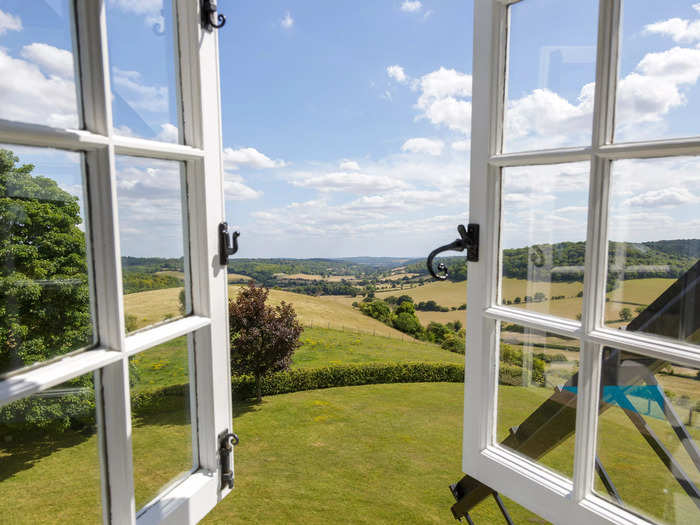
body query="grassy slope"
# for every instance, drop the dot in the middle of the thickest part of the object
(153, 306)
(321, 347)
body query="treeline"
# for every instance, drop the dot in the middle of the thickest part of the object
(139, 282)
(564, 261)
(152, 264)
(324, 288)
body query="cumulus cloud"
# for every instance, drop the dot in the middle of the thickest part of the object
(52, 60)
(397, 73)
(168, 133)
(29, 94)
(235, 188)
(287, 22)
(680, 30)
(249, 157)
(461, 145)
(9, 22)
(423, 145)
(442, 99)
(411, 6)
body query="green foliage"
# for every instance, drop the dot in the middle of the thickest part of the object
(404, 299)
(378, 310)
(626, 314)
(138, 282)
(263, 338)
(348, 375)
(44, 296)
(514, 356)
(436, 332)
(431, 306)
(454, 343)
(408, 323)
(405, 307)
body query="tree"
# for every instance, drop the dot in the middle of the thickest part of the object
(626, 314)
(44, 295)
(408, 323)
(263, 338)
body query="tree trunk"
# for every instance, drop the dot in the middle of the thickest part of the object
(258, 387)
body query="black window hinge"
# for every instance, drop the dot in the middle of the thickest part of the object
(227, 245)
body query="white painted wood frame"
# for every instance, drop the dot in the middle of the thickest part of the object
(207, 325)
(552, 496)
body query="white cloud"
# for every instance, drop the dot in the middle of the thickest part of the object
(673, 196)
(411, 6)
(9, 22)
(423, 145)
(358, 183)
(349, 165)
(235, 188)
(129, 84)
(168, 133)
(51, 60)
(397, 73)
(287, 22)
(29, 95)
(442, 98)
(233, 158)
(680, 30)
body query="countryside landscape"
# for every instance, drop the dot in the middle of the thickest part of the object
(372, 397)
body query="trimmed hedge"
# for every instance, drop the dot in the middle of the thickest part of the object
(348, 375)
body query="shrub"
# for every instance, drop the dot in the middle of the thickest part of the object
(454, 343)
(408, 323)
(348, 375)
(436, 332)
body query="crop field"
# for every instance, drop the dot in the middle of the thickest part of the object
(155, 306)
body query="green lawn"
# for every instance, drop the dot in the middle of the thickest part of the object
(323, 347)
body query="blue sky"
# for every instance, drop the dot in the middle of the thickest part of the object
(346, 125)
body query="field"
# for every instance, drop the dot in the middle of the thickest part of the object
(157, 305)
(310, 457)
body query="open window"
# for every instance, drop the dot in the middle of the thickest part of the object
(112, 145)
(597, 437)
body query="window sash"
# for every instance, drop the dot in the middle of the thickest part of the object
(530, 484)
(207, 326)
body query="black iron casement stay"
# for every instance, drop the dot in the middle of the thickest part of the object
(468, 240)
(227, 440)
(228, 245)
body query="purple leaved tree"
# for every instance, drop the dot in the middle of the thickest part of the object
(263, 338)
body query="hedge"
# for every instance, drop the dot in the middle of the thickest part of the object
(347, 375)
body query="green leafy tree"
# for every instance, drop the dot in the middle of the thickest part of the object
(408, 323)
(626, 314)
(263, 338)
(44, 295)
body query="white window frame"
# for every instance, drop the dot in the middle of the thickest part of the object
(546, 493)
(207, 326)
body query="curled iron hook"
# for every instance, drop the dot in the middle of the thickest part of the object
(468, 240)
(210, 16)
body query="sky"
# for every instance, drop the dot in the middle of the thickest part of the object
(346, 125)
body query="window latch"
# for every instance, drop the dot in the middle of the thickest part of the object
(468, 240)
(227, 245)
(210, 19)
(227, 440)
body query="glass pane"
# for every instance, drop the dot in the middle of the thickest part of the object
(161, 418)
(654, 228)
(44, 285)
(658, 94)
(44, 438)
(143, 70)
(647, 403)
(149, 198)
(551, 74)
(537, 383)
(543, 237)
(37, 74)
